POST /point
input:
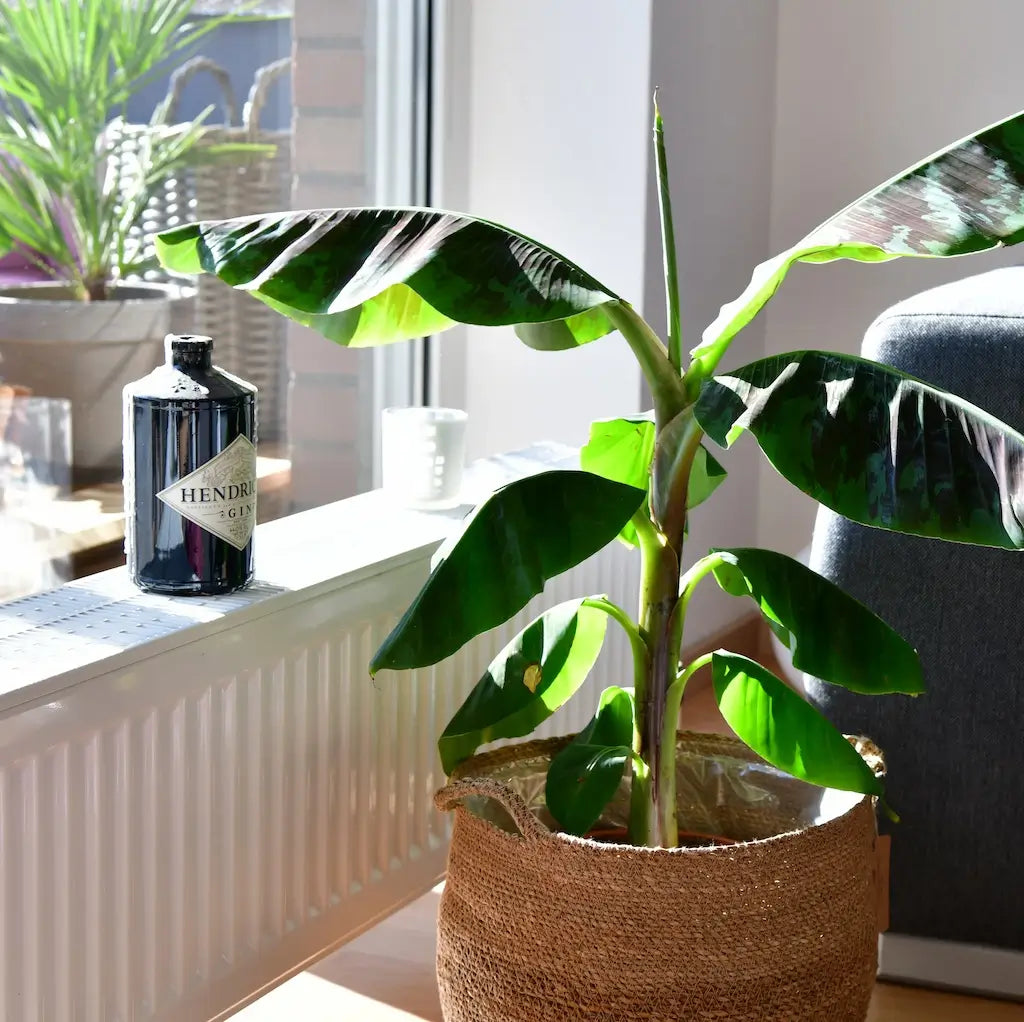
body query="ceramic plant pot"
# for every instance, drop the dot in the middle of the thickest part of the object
(87, 352)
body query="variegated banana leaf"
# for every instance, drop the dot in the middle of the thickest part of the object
(876, 445)
(966, 198)
(365, 277)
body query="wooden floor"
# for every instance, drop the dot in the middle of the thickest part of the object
(387, 975)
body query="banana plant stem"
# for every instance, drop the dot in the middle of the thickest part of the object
(659, 588)
(674, 700)
(664, 794)
(641, 819)
(669, 728)
(660, 628)
(666, 386)
(641, 655)
(641, 802)
(698, 570)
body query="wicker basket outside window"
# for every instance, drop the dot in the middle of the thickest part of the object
(250, 338)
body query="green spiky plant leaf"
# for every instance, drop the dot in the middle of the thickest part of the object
(75, 178)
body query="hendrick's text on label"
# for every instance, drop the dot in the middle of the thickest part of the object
(220, 495)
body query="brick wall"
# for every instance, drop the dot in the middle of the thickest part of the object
(328, 403)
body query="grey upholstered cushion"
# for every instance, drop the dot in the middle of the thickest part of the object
(956, 754)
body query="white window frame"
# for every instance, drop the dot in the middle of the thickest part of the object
(401, 174)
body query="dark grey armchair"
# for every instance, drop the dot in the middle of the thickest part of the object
(956, 754)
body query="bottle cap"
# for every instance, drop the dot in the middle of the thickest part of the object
(184, 350)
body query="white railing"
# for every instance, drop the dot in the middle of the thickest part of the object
(200, 797)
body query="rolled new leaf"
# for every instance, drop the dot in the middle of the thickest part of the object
(527, 681)
(876, 445)
(784, 729)
(585, 775)
(366, 277)
(829, 633)
(525, 533)
(966, 198)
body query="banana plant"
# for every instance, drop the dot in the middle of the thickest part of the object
(866, 440)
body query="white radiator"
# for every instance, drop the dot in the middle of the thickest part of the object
(198, 798)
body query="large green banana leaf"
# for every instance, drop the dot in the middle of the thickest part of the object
(876, 445)
(830, 634)
(585, 775)
(527, 532)
(621, 449)
(535, 674)
(364, 277)
(784, 728)
(966, 198)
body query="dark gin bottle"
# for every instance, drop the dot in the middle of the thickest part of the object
(189, 474)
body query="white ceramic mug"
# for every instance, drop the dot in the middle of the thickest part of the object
(423, 452)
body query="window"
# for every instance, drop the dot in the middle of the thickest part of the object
(347, 119)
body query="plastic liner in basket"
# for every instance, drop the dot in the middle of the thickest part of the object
(719, 792)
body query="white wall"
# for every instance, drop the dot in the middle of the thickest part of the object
(556, 145)
(863, 90)
(777, 113)
(714, 63)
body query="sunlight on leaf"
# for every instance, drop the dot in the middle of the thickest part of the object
(966, 198)
(876, 445)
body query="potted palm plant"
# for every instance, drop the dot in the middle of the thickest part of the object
(75, 185)
(539, 920)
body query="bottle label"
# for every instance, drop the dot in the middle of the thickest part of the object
(220, 495)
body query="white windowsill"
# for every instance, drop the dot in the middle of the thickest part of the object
(52, 640)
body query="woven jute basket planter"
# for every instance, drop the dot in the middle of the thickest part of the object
(536, 926)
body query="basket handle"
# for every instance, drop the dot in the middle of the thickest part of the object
(265, 77)
(184, 74)
(529, 826)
